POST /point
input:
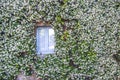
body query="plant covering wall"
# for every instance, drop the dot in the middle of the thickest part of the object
(87, 34)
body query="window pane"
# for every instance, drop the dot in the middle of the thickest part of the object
(51, 40)
(42, 39)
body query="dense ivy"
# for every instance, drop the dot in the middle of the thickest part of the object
(86, 32)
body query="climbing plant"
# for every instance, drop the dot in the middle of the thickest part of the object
(86, 32)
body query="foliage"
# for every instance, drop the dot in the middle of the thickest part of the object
(86, 31)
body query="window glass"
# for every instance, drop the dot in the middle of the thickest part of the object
(42, 38)
(45, 40)
(51, 40)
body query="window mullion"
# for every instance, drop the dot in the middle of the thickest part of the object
(47, 40)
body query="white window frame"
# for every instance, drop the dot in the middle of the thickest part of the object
(46, 40)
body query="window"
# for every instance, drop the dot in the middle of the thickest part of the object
(45, 40)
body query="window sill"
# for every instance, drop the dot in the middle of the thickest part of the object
(44, 54)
